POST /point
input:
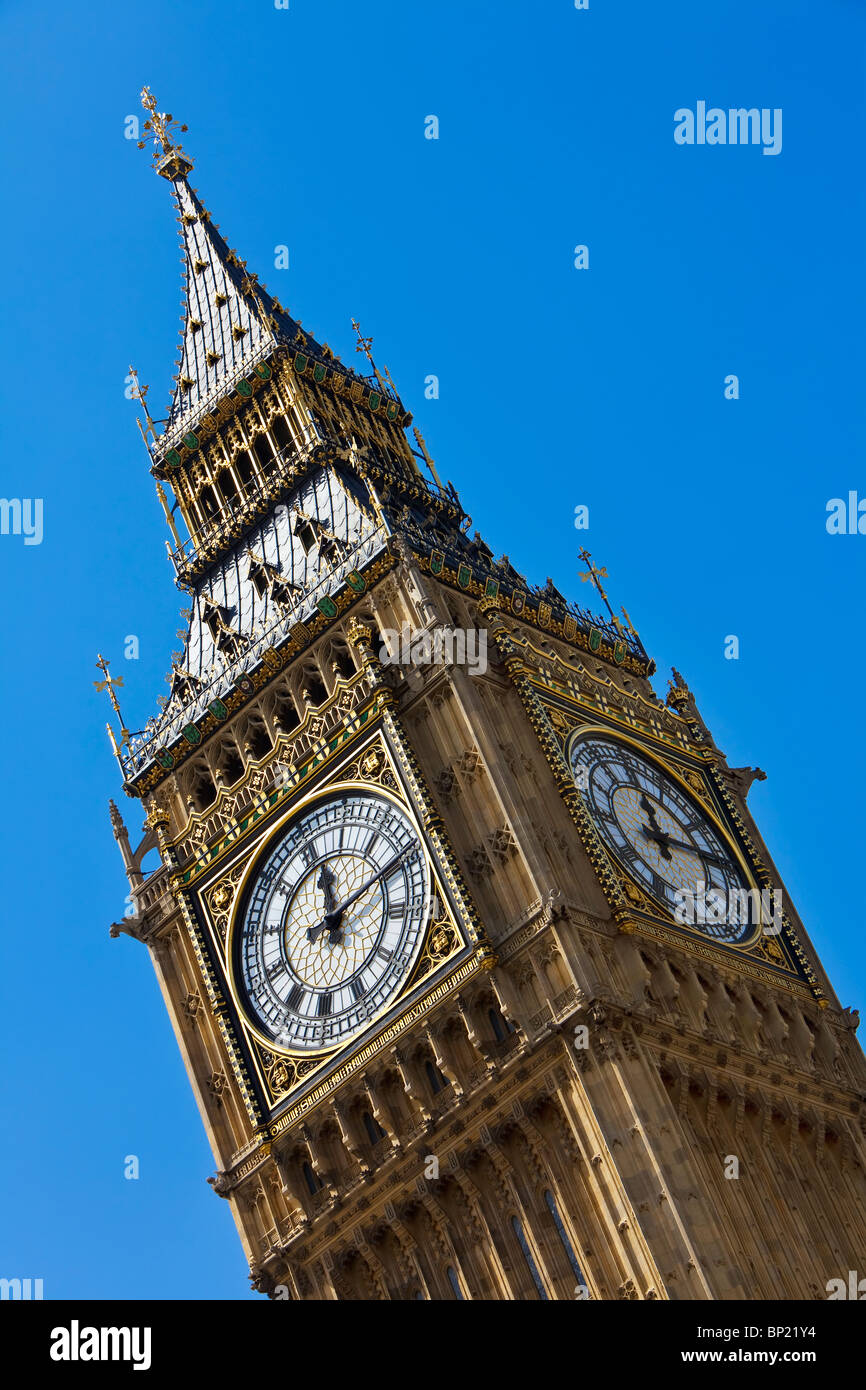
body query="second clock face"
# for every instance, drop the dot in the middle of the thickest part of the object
(657, 831)
(334, 921)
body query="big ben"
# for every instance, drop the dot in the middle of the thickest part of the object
(485, 981)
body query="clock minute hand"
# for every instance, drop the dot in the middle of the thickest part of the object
(359, 892)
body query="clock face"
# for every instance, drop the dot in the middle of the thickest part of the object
(662, 837)
(334, 920)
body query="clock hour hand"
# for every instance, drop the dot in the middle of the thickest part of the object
(656, 833)
(333, 919)
(326, 881)
(666, 842)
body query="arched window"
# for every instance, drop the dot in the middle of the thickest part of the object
(280, 431)
(317, 691)
(310, 1178)
(227, 486)
(496, 1025)
(563, 1236)
(527, 1255)
(208, 502)
(375, 1132)
(435, 1077)
(455, 1283)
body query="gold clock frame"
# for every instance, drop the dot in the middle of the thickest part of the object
(324, 792)
(706, 809)
(454, 946)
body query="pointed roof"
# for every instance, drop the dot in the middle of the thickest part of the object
(230, 321)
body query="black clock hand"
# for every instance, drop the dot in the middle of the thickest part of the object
(332, 920)
(667, 842)
(326, 881)
(647, 806)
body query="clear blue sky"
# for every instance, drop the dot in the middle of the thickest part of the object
(558, 387)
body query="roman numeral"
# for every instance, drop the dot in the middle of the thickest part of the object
(308, 854)
(384, 953)
(396, 910)
(324, 1009)
(357, 989)
(296, 994)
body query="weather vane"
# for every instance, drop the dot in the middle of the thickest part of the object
(169, 159)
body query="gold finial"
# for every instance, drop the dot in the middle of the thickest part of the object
(109, 684)
(160, 492)
(427, 459)
(139, 393)
(268, 321)
(628, 622)
(169, 159)
(596, 573)
(365, 345)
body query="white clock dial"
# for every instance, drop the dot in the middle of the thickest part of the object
(661, 836)
(334, 920)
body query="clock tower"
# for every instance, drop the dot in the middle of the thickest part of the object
(485, 981)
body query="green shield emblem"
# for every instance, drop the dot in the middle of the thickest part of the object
(218, 709)
(328, 607)
(191, 734)
(594, 639)
(244, 388)
(437, 560)
(619, 652)
(464, 576)
(191, 440)
(356, 582)
(300, 362)
(172, 458)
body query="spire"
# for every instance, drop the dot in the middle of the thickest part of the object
(230, 322)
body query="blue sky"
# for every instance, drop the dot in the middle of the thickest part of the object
(558, 387)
